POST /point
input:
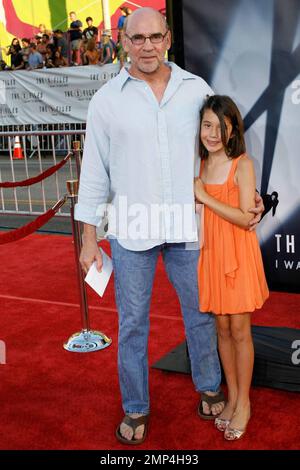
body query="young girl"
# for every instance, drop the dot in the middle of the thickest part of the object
(231, 275)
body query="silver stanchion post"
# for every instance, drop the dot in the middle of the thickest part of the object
(76, 152)
(86, 340)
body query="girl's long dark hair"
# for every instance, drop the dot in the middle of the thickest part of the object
(223, 106)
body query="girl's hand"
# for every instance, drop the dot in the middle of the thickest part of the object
(199, 190)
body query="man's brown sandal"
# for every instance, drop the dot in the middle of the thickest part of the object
(210, 400)
(133, 423)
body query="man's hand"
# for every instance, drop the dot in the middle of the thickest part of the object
(257, 211)
(199, 190)
(198, 207)
(90, 251)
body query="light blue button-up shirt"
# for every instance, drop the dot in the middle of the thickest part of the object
(141, 156)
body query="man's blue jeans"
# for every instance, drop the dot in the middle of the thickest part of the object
(134, 273)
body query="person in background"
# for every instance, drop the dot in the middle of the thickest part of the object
(25, 51)
(121, 19)
(42, 45)
(75, 34)
(43, 30)
(121, 54)
(3, 65)
(59, 60)
(35, 59)
(61, 45)
(50, 56)
(14, 52)
(107, 50)
(91, 56)
(91, 32)
(125, 13)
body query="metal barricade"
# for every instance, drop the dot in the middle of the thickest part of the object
(46, 144)
(40, 150)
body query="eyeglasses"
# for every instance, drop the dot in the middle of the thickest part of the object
(139, 39)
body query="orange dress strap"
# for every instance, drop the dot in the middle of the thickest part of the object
(235, 161)
(229, 249)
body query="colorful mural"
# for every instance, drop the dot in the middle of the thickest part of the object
(19, 18)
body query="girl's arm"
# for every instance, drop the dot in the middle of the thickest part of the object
(246, 182)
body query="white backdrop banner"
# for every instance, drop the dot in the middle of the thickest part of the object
(49, 96)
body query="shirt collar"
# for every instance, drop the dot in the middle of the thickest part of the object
(177, 73)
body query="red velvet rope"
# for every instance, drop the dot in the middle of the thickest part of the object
(36, 179)
(28, 229)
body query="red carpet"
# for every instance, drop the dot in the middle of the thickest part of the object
(54, 399)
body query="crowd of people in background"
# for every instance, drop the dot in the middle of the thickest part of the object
(77, 46)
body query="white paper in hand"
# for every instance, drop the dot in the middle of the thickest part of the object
(98, 281)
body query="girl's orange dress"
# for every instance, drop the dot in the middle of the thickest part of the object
(230, 273)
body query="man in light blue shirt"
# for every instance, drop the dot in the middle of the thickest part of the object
(143, 149)
(140, 154)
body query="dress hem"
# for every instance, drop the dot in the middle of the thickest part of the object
(234, 313)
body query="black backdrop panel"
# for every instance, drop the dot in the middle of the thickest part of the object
(250, 50)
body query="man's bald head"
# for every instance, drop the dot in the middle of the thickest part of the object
(144, 14)
(146, 40)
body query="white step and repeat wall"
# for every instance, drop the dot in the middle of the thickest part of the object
(48, 96)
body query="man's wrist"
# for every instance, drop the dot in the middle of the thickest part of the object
(89, 233)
